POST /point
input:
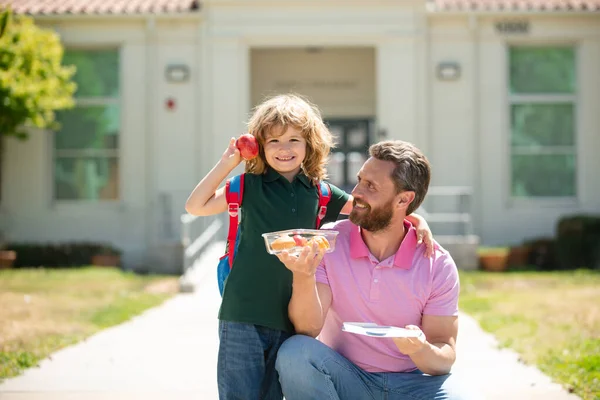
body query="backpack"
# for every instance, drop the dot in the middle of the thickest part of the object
(234, 192)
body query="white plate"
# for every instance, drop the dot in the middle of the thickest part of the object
(374, 330)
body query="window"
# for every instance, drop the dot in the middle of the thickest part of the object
(86, 148)
(543, 113)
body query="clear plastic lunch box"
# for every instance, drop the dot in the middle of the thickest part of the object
(276, 242)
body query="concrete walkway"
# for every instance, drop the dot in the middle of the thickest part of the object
(170, 352)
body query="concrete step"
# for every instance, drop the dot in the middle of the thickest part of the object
(463, 249)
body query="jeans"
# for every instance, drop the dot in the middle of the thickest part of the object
(309, 369)
(246, 363)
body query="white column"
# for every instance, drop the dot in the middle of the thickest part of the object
(588, 123)
(229, 92)
(396, 88)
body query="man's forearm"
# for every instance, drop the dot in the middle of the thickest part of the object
(434, 358)
(305, 306)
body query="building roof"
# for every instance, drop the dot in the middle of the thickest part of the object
(98, 7)
(79, 7)
(514, 5)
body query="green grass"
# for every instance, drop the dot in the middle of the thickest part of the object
(44, 310)
(551, 319)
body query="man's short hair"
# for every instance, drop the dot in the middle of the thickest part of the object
(412, 171)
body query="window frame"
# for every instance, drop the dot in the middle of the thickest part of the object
(102, 153)
(515, 99)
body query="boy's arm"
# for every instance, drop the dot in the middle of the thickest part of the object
(206, 198)
(423, 232)
(348, 206)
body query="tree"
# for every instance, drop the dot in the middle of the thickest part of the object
(3, 22)
(33, 81)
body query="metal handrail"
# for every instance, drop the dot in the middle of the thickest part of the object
(194, 241)
(462, 216)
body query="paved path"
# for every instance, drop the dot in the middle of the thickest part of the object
(170, 352)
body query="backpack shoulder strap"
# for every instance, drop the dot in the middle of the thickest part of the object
(324, 197)
(234, 192)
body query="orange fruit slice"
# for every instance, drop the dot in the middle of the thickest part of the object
(321, 242)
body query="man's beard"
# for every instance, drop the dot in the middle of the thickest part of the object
(373, 220)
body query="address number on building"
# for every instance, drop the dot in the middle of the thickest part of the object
(512, 27)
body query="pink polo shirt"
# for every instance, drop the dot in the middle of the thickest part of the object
(396, 291)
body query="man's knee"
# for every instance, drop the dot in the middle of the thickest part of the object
(294, 354)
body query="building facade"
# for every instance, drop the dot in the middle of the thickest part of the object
(503, 97)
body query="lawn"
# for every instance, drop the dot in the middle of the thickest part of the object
(551, 319)
(43, 310)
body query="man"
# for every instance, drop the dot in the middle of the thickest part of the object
(377, 273)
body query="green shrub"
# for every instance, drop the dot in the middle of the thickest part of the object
(578, 241)
(58, 254)
(542, 254)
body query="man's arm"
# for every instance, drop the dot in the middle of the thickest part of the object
(309, 305)
(434, 353)
(310, 300)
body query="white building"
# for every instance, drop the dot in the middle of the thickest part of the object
(502, 96)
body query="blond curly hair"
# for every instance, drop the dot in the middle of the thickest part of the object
(275, 115)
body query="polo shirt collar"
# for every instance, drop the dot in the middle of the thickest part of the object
(404, 255)
(272, 175)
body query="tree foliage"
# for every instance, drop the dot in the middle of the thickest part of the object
(33, 81)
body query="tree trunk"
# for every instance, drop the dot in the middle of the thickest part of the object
(2, 139)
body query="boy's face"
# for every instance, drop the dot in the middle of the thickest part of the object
(285, 152)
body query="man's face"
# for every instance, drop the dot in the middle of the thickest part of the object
(375, 197)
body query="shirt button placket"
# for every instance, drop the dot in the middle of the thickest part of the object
(293, 201)
(375, 283)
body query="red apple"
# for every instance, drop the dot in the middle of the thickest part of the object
(300, 241)
(248, 146)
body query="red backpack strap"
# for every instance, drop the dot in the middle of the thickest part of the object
(324, 197)
(234, 192)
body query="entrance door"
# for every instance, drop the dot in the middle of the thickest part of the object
(353, 137)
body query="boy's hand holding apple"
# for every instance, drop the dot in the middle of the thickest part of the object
(243, 148)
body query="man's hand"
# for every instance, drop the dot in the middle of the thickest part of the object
(306, 263)
(411, 345)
